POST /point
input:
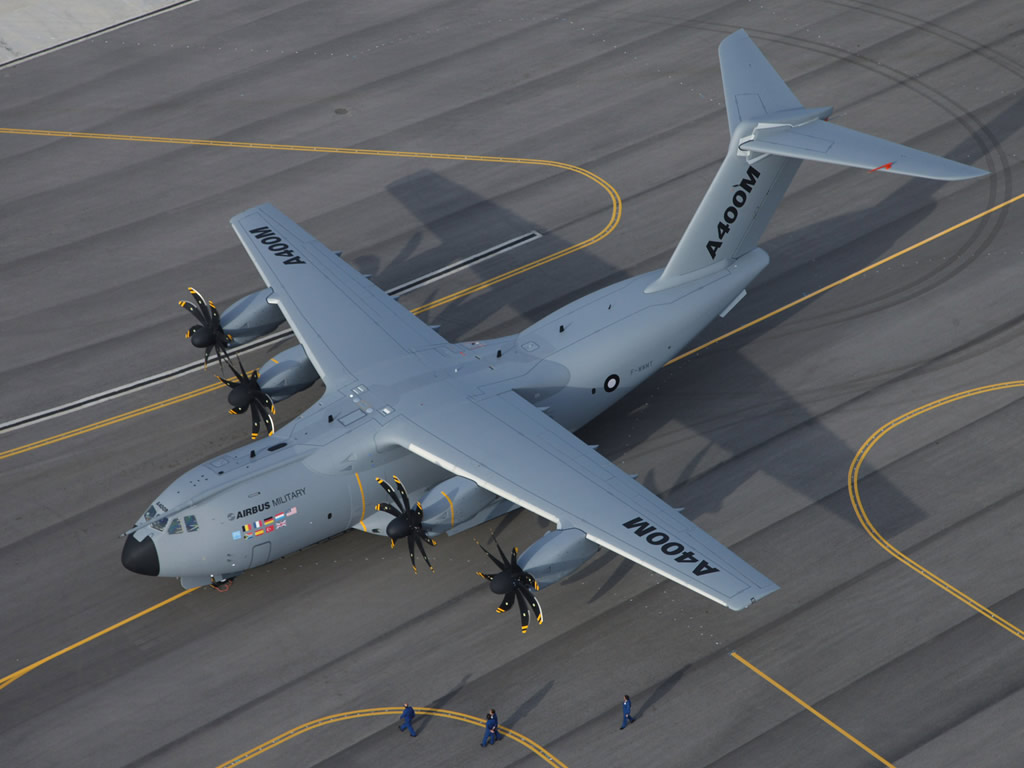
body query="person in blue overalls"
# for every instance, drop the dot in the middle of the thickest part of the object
(626, 717)
(407, 715)
(491, 729)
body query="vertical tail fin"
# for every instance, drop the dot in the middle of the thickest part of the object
(771, 133)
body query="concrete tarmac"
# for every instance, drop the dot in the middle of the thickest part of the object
(754, 436)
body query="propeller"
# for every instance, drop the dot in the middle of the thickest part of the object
(514, 583)
(208, 332)
(246, 395)
(408, 522)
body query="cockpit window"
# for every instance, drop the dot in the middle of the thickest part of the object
(191, 524)
(150, 514)
(160, 524)
(175, 526)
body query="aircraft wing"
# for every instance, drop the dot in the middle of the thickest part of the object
(504, 444)
(333, 310)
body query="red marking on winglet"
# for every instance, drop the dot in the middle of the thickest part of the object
(886, 167)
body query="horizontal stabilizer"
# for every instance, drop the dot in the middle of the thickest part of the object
(831, 143)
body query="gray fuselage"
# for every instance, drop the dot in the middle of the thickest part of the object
(315, 477)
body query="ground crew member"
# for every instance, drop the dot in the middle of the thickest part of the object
(407, 715)
(490, 729)
(626, 717)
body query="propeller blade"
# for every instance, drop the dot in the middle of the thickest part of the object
(268, 422)
(401, 490)
(487, 576)
(412, 556)
(191, 308)
(504, 560)
(494, 560)
(265, 401)
(390, 492)
(201, 303)
(423, 552)
(523, 614)
(535, 605)
(507, 602)
(385, 507)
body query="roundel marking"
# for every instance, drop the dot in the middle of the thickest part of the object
(611, 383)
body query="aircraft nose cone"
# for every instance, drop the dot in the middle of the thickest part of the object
(140, 556)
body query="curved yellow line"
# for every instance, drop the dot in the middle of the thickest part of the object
(613, 221)
(8, 679)
(854, 487)
(392, 712)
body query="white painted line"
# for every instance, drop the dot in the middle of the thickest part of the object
(458, 266)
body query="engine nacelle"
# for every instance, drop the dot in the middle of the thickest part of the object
(287, 373)
(453, 502)
(251, 317)
(556, 554)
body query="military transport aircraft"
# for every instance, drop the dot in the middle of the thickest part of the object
(474, 430)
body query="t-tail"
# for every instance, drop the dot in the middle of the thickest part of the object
(771, 132)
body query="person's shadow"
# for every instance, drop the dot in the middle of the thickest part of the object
(659, 693)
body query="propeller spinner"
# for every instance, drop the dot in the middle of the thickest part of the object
(208, 333)
(408, 522)
(514, 583)
(246, 395)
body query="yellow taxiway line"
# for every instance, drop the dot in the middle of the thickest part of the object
(8, 679)
(613, 221)
(811, 709)
(391, 712)
(853, 483)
